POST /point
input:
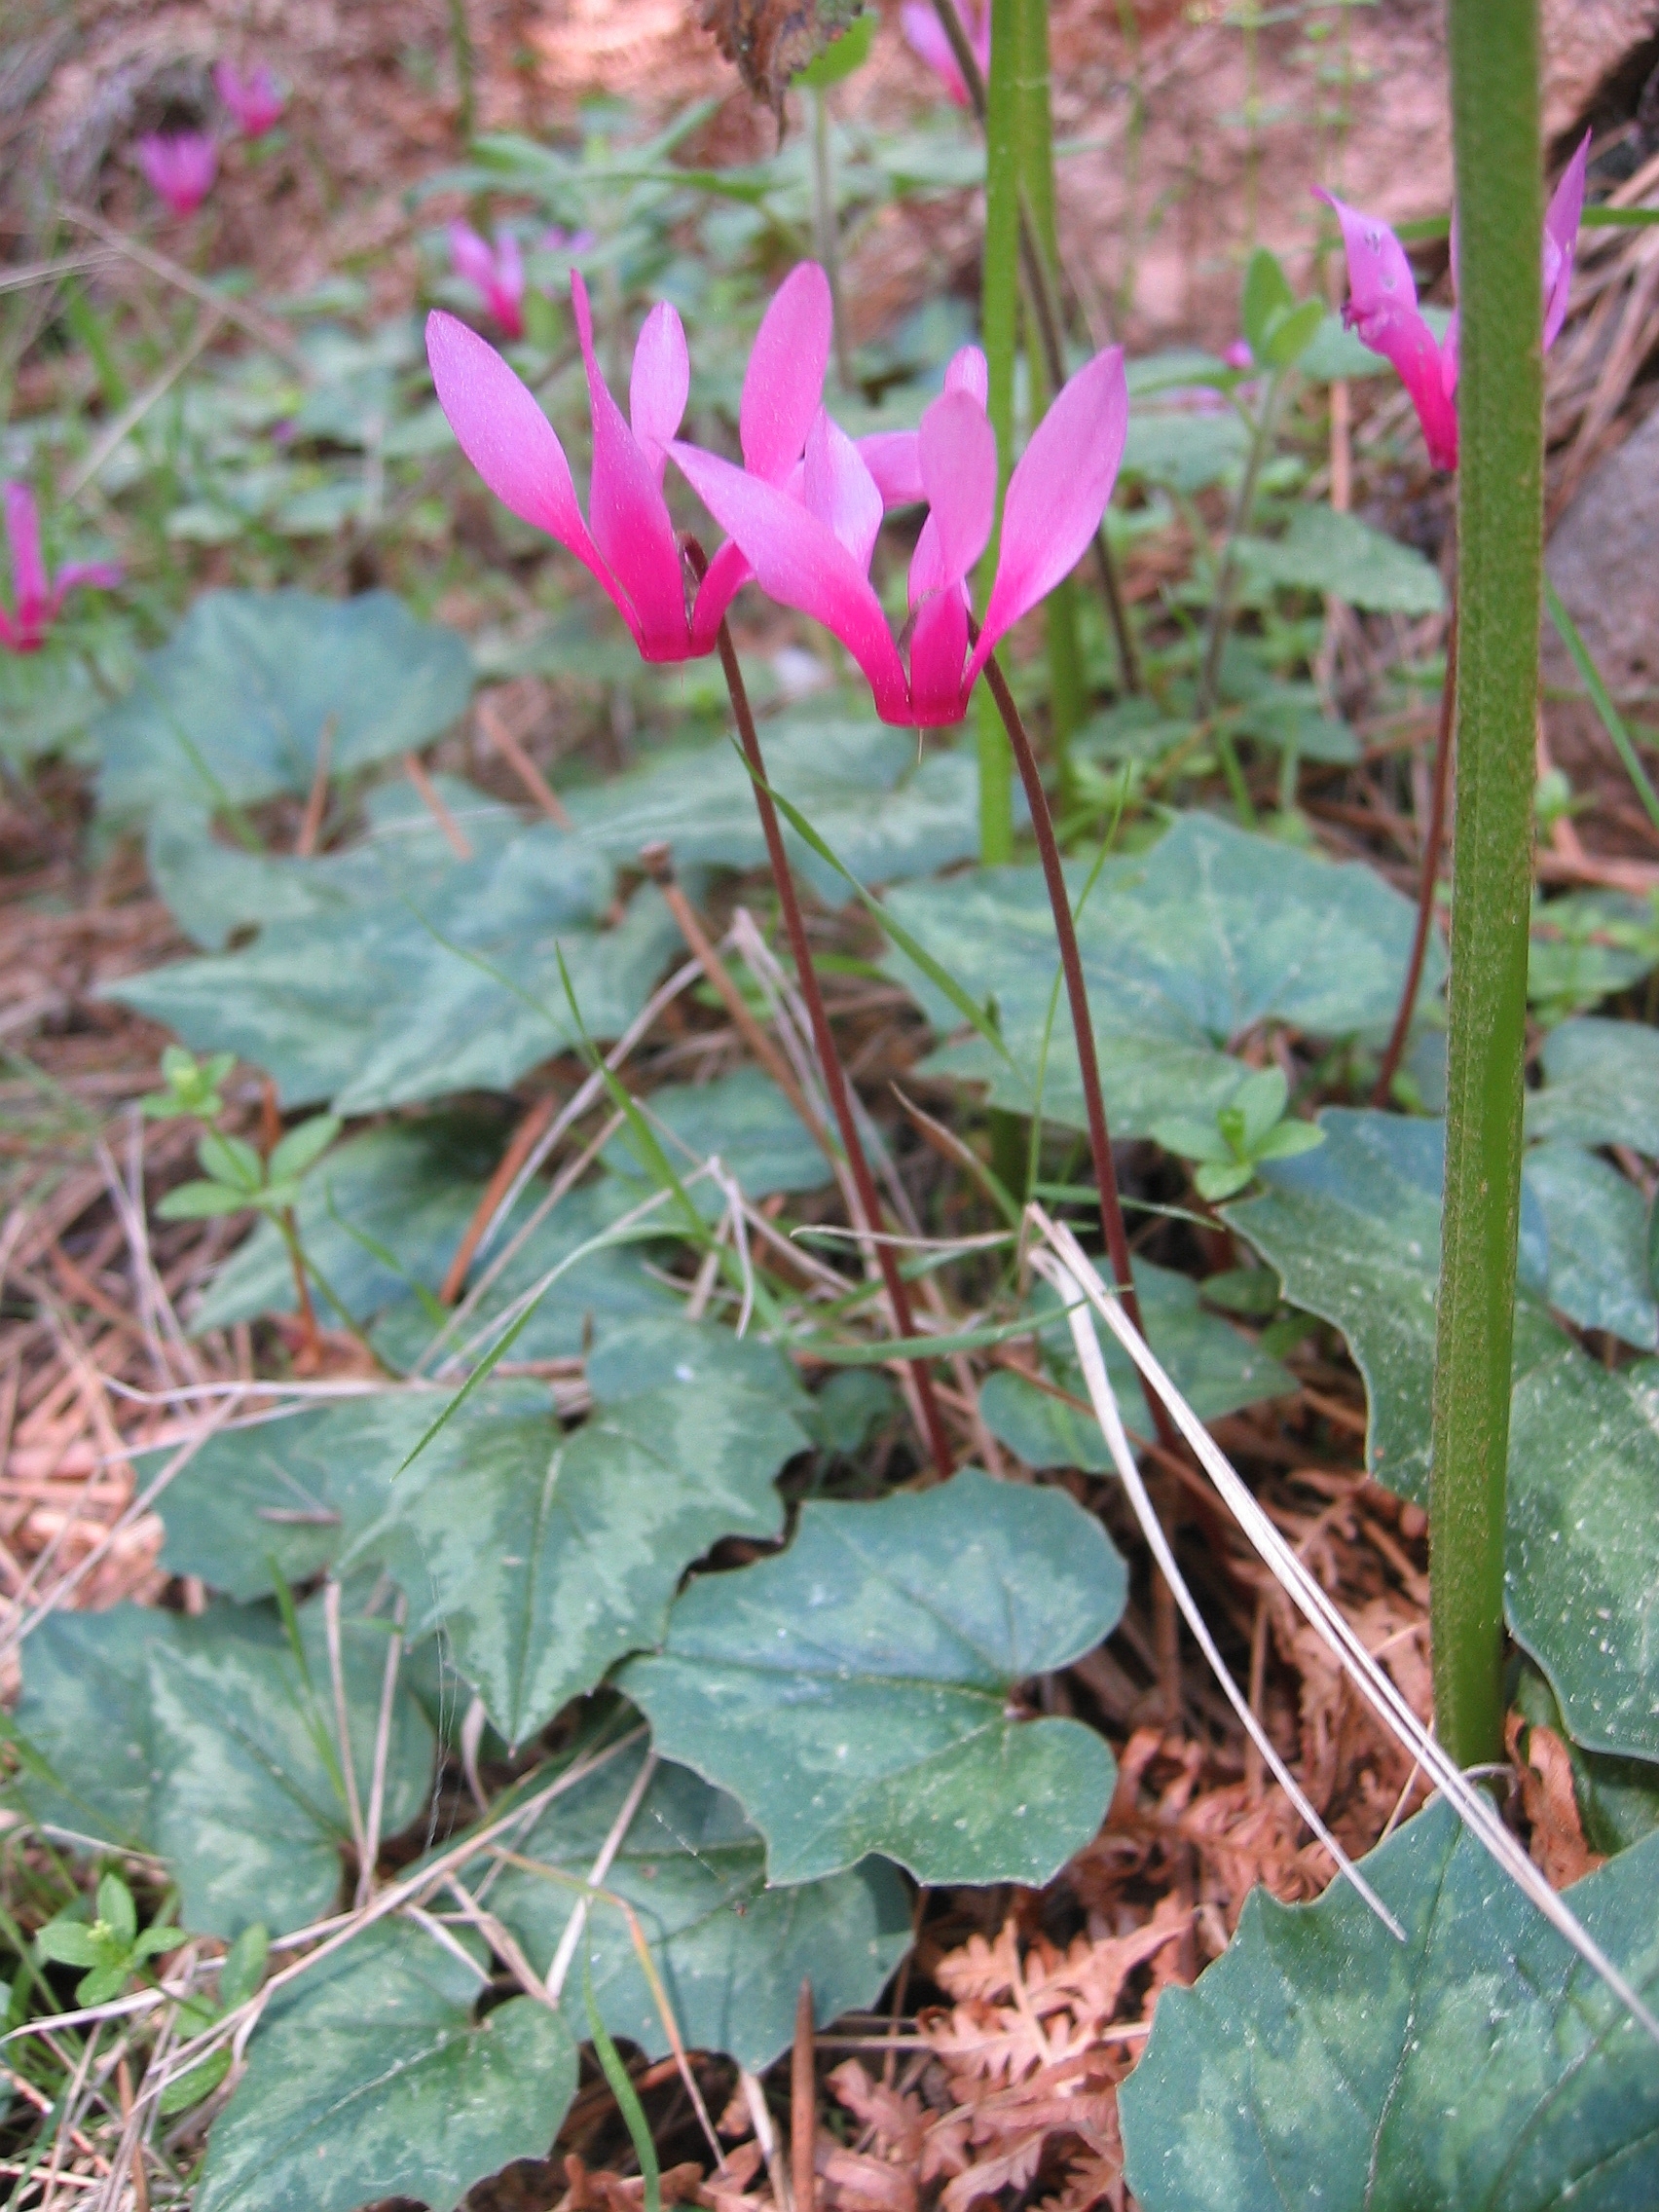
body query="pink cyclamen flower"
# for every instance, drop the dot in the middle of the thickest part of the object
(1382, 306)
(495, 274)
(628, 545)
(925, 34)
(254, 102)
(556, 240)
(813, 552)
(38, 599)
(180, 167)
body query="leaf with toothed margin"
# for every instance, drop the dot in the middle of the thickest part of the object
(854, 1692)
(1480, 2063)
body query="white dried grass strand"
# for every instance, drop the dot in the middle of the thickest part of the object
(1476, 1811)
(1104, 1400)
(560, 1965)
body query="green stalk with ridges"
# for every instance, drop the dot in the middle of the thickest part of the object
(1499, 197)
(999, 315)
(1037, 164)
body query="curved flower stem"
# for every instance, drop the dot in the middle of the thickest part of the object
(823, 1038)
(1497, 162)
(1083, 1029)
(1434, 837)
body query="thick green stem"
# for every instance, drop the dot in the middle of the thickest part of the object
(1066, 690)
(999, 316)
(1500, 198)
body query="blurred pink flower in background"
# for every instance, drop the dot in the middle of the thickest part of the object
(556, 240)
(253, 101)
(925, 34)
(179, 167)
(495, 274)
(1238, 355)
(1382, 309)
(37, 599)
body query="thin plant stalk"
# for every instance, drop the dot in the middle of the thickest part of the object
(1497, 172)
(999, 319)
(1037, 164)
(824, 1040)
(1083, 1027)
(1239, 522)
(826, 230)
(1434, 839)
(1039, 268)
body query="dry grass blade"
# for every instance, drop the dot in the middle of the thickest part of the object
(1475, 1809)
(1104, 1401)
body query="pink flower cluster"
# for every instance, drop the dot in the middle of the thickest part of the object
(37, 599)
(1382, 309)
(496, 272)
(803, 510)
(180, 165)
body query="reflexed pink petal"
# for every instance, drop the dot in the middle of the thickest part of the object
(782, 384)
(801, 562)
(939, 646)
(840, 490)
(627, 513)
(9, 637)
(927, 566)
(969, 371)
(470, 256)
(510, 268)
(925, 35)
(1561, 237)
(180, 167)
(660, 383)
(728, 571)
(29, 589)
(1384, 315)
(509, 441)
(1058, 492)
(959, 474)
(895, 463)
(1448, 348)
(1380, 277)
(105, 575)
(254, 101)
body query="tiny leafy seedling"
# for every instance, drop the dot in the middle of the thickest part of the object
(1252, 1126)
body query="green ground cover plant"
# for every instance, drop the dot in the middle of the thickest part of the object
(630, 1522)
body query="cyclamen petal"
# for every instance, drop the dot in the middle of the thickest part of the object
(1561, 237)
(783, 385)
(627, 513)
(28, 568)
(958, 452)
(799, 562)
(969, 371)
(894, 463)
(1057, 493)
(660, 383)
(179, 168)
(254, 101)
(924, 33)
(509, 441)
(840, 490)
(939, 646)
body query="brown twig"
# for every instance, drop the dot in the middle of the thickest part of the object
(823, 1036)
(494, 725)
(454, 836)
(525, 1139)
(316, 801)
(803, 2105)
(1433, 839)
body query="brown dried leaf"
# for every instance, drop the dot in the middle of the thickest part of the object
(770, 40)
(898, 2121)
(1550, 1803)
